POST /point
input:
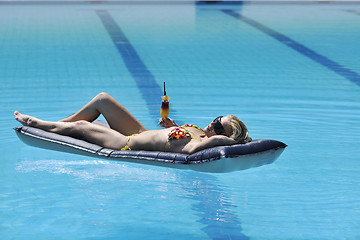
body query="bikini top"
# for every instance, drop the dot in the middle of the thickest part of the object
(182, 132)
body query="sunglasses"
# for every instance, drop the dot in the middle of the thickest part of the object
(218, 127)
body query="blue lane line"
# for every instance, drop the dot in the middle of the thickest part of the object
(326, 62)
(151, 92)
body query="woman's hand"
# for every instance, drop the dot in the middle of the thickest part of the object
(167, 122)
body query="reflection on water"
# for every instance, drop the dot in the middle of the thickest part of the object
(212, 206)
(210, 202)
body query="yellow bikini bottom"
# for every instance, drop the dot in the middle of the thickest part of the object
(127, 143)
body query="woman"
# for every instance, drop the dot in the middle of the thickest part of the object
(127, 133)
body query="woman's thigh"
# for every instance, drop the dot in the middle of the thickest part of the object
(99, 135)
(118, 117)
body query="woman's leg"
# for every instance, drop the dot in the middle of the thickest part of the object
(84, 130)
(117, 116)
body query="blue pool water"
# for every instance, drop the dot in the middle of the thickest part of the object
(289, 71)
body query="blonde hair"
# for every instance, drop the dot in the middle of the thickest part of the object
(238, 130)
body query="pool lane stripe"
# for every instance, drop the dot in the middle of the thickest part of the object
(321, 59)
(145, 81)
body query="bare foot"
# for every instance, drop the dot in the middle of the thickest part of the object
(22, 118)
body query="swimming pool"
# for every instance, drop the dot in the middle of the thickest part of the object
(289, 71)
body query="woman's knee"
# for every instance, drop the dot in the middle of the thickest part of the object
(78, 128)
(80, 125)
(103, 96)
(103, 99)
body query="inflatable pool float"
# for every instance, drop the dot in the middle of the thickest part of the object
(219, 159)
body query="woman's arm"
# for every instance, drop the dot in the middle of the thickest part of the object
(218, 140)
